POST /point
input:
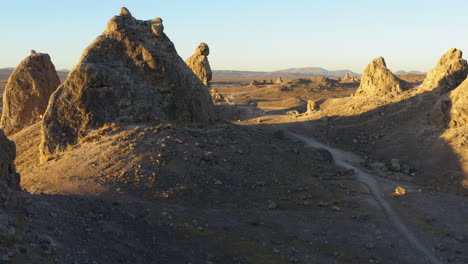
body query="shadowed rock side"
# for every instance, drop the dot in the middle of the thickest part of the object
(378, 80)
(129, 74)
(27, 92)
(452, 109)
(9, 179)
(200, 65)
(451, 70)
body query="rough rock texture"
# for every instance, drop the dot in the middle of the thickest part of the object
(129, 74)
(452, 109)
(378, 80)
(451, 70)
(27, 92)
(9, 179)
(199, 64)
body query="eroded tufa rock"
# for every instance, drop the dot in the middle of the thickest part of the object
(378, 80)
(200, 65)
(27, 92)
(279, 80)
(452, 109)
(9, 179)
(451, 70)
(128, 75)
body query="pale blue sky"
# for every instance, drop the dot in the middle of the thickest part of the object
(250, 35)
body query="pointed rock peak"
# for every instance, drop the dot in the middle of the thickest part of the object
(127, 75)
(379, 61)
(125, 12)
(378, 80)
(27, 92)
(33, 52)
(450, 71)
(202, 49)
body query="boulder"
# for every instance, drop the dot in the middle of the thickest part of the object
(451, 70)
(27, 92)
(200, 65)
(378, 80)
(130, 74)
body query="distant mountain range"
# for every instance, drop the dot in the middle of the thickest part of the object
(288, 73)
(410, 72)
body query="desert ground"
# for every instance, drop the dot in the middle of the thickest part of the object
(135, 160)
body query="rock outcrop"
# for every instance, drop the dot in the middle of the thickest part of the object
(129, 74)
(216, 96)
(9, 179)
(451, 70)
(27, 92)
(312, 106)
(378, 80)
(200, 65)
(452, 109)
(279, 80)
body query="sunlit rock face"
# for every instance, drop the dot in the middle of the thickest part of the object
(452, 108)
(378, 80)
(451, 70)
(200, 65)
(27, 92)
(130, 74)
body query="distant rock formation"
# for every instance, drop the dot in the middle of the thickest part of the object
(378, 80)
(216, 96)
(452, 109)
(348, 79)
(451, 70)
(200, 65)
(312, 106)
(279, 80)
(27, 92)
(9, 179)
(129, 74)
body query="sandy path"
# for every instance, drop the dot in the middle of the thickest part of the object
(351, 161)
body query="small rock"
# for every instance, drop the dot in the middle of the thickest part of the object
(272, 205)
(336, 208)
(218, 182)
(400, 191)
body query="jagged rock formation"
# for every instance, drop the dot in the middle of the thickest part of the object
(129, 74)
(378, 80)
(199, 64)
(279, 80)
(27, 92)
(452, 108)
(451, 70)
(9, 179)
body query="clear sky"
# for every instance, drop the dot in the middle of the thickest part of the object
(250, 34)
